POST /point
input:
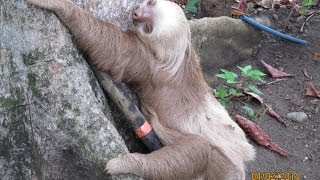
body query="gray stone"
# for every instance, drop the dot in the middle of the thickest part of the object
(222, 41)
(297, 116)
(275, 16)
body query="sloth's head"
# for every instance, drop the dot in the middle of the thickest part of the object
(160, 19)
(164, 29)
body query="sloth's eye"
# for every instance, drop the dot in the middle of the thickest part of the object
(152, 2)
(148, 28)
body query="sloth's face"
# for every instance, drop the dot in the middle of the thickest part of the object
(143, 16)
(158, 17)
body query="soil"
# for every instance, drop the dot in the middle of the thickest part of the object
(301, 139)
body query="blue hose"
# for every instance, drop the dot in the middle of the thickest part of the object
(272, 31)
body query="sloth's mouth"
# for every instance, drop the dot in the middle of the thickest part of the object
(147, 28)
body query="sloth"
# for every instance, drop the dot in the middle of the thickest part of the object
(200, 139)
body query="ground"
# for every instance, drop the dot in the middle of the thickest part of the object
(301, 139)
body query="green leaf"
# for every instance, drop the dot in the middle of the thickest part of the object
(235, 92)
(222, 95)
(303, 10)
(250, 112)
(228, 75)
(247, 71)
(305, 6)
(256, 74)
(307, 2)
(254, 89)
(191, 6)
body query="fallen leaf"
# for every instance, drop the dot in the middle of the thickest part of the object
(273, 114)
(312, 91)
(275, 73)
(242, 6)
(316, 57)
(304, 71)
(285, 2)
(259, 136)
(256, 96)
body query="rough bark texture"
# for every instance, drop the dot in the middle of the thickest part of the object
(55, 121)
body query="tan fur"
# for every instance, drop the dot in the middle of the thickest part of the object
(202, 141)
(185, 156)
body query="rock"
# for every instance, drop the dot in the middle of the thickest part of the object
(55, 121)
(222, 41)
(297, 116)
(275, 16)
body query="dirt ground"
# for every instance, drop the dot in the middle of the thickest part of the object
(301, 139)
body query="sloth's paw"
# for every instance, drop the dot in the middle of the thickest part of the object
(114, 166)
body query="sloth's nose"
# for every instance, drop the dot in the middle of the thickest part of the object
(137, 12)
(142, 13)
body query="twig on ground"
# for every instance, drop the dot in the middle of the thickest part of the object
(305, 73)
(305, 22)
(277, 80)
(272, 82)
(262, 111)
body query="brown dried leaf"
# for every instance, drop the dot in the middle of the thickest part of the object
(275, 73)
(285, 2)
(273, 114)
(256, 96)
(312, 91)
(242, 6)
(259, 136)
(316, 57)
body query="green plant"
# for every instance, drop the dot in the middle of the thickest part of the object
(191, 6)
(255, 74)
(224, 92)
(254, 89)
(250, 112)
(228, 75)
(234, 92)
(305, 6)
